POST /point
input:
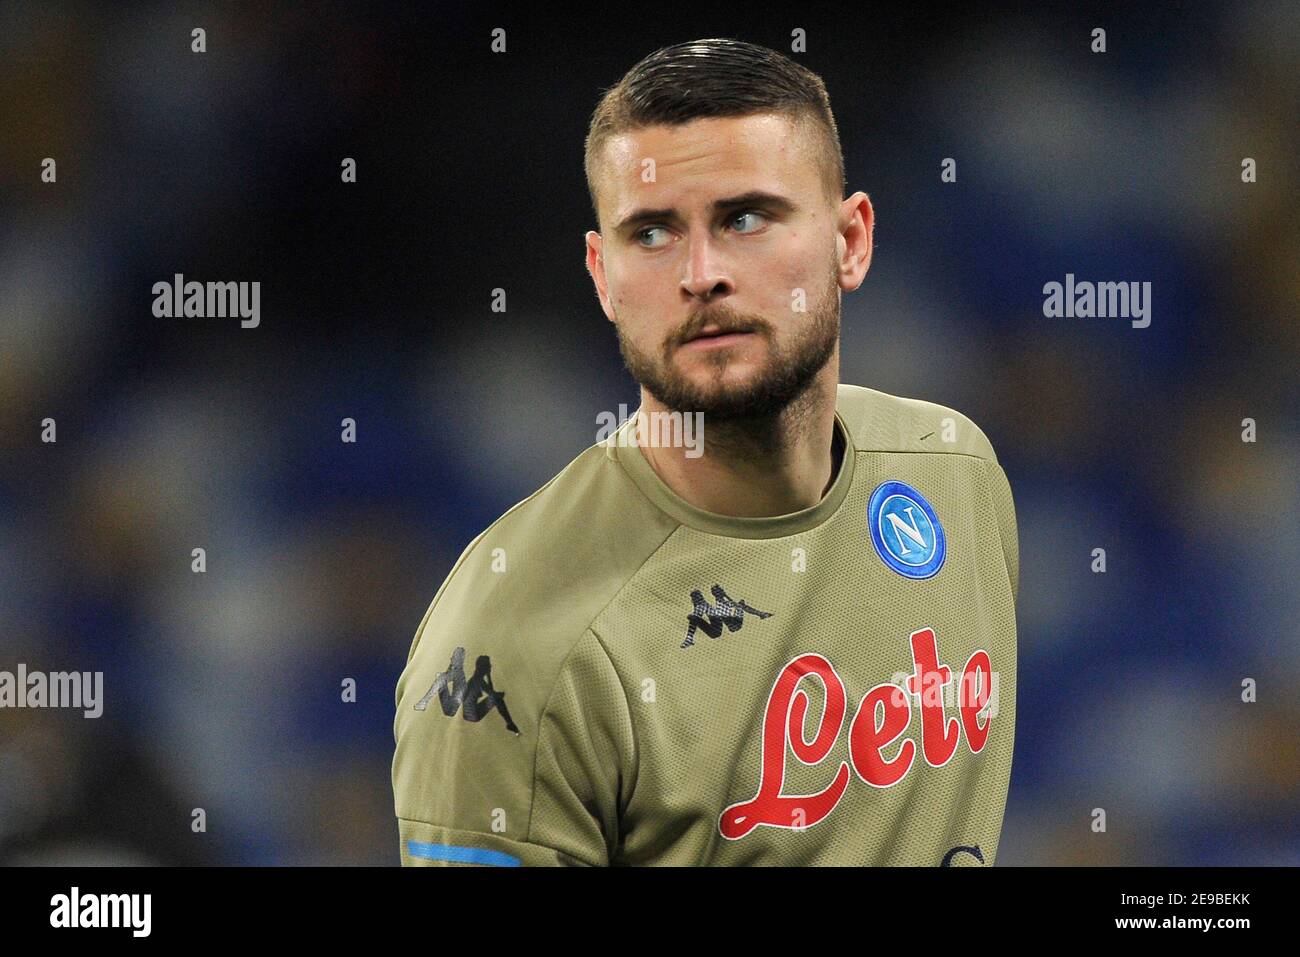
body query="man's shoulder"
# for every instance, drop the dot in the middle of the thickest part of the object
(880, 422)
(552, 561)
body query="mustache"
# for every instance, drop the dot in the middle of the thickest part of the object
(717, 321)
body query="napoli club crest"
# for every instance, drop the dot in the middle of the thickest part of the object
(905, 530)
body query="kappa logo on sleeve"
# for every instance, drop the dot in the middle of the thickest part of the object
(783, 730)
(474, 698)
(906, 531)
(711, 619)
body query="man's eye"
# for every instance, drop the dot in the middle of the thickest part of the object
(640, 236)
(757, 217)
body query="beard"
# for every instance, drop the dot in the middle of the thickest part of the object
(783, 378)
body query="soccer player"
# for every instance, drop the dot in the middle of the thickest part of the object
(792, 643)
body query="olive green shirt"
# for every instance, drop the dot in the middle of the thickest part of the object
(610, 675)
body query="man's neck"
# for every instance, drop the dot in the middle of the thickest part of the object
(754, 468)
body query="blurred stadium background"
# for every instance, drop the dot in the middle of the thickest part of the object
(223, 689)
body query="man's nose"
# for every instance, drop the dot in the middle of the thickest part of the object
(706, 273)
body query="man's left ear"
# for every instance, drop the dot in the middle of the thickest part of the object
(858, 235)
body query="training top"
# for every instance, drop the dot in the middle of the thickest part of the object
(610, 675)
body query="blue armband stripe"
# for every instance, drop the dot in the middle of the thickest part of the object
(462, 855)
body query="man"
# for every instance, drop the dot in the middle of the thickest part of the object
(798, 647)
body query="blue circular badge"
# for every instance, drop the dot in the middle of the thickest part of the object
(905, 530)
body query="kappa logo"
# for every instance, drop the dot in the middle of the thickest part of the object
(711, 619)
(905, 530)
(783, 729)
(474, 698)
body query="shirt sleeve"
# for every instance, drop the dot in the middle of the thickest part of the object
(469, 790)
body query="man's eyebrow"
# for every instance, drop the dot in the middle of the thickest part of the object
(755, 197)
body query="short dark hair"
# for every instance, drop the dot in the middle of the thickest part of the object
(717, 78)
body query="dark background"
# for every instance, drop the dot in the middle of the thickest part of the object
(223, 689)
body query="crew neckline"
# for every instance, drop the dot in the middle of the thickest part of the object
(648, 481)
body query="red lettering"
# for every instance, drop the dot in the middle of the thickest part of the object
(866, 739)
(971, 702)
(938, 736)
(783, 720)
(787, 709)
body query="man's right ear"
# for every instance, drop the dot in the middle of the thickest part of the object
(595, 263)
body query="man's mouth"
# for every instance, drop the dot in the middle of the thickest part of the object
(712, 342)
(717, 332)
